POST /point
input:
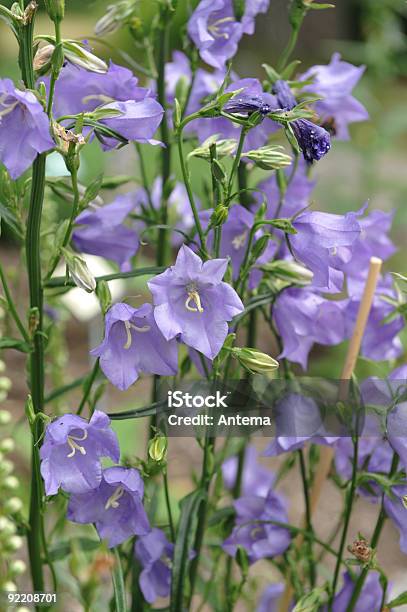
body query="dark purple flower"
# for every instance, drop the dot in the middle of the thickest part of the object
(24, 129)
(78, 90)
(102, 232)
(155, 554)
(71, 452)
(269, 599)
(250, 101)
(259, 538)
(192, 302)
(134, 344)
(369, 599)
(285, 97)
(298, 420)
(257, 480)
(334, 83)
(303, 318)
(216, 32)
(116, 506)
(321, 240)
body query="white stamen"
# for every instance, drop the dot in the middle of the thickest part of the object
(215, 28)
(193, 296)
(72, 442)
(239, 241)
(129, 326)
(112, 502)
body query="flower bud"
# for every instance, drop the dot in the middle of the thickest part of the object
(271, 157)
(219, 215)
(404, 501)
(79, 271)
(116, 16)
(7, 445)
(260, 246)
(7, 528)
(218, 171)
(81, 56)
(55, 9)
(5, 383)
(104, 296)
(157, 448)
(255, 361)
(13, 505)
(224, 148)
(42, 59)
(289, 271)
(17, 567)
(11, 482)
(14, 543)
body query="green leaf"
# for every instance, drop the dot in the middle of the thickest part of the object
(289, 70)
(400, 600)
(316, 6)
(111, 182)
(184, 543)
(310, 602)
(139, 413)
(12, 343)
(118, 583)
(283, 224)
(272, 74)
(92, 191)
(11, 220)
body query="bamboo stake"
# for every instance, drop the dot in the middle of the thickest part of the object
(327, 452)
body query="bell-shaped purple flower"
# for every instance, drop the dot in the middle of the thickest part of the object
(323, 242)
(78, 90)
(269, 598)
(369, 599)
(334, 83)
(155, 554)
(24, 129)
(257, 480)
(72, 450)
(303, 318)
(115, 507)
(395, 506)
(192, 302)
(134, 344)
(215, 30)
(102, 232)
(259, 538)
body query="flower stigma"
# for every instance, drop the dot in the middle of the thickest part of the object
(129, 326)
(113, 501)
(193, 296)
(216, 28)
(73, 444)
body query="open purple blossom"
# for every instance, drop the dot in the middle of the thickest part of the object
(215, 30)
(257, 480)
(78, 90)
(334, 83)
(303, 318)
(298, 420)
(323, 242)
(179, 208)
(115, 507)
(133, 344)
(313, 140)
(395, 506)
(101, 231)
(72, 450)
(252, 532)
(370, 597)
(269, 598)
(155, 554)
(192, 302)
(24, 129)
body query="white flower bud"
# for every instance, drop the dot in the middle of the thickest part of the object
(270, 157)
(14, 543)
(13, 505)
(17, 567)
(11, 482)
(9, 587)
(7, 527)
(7, 445)
(255, 361)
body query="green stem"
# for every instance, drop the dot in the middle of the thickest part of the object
(348, 512)
(236, 162)
(374, 542)
(12, 307)
(308, 520)
(88, 386)
(118, 584)
(54, 72)
(61, 281)
(168, 504)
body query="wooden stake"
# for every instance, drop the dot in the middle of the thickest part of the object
(327, 453)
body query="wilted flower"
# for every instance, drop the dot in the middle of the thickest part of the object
(361, 551)
(134, 344)
(252, 531)
(155, 554)
(72, 450)
(101, 231)
(334, 83)
(24, 128)
(115, 507)
(256, 479)
(192, 302)
(215, 30)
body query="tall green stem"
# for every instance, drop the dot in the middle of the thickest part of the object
(236, 161)
(308, 520)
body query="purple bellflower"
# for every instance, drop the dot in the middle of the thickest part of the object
(155, 554)
(72, 450)
(322, 243)
(24, 129)
(313, 140)
(215, 30)
(259, 539)
(192, 302)
(116, 506)
(257, 480)
(134, 344)
(395, 506)
(303, 318)
(102, 232)
(334, 83)
(370, 597)
(269, 598)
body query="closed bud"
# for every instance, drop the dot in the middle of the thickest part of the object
(7, 445)
(117, 16)
(14, 543)
(219, 215)
(42, 59)
(218, 171)
(104, 296)
(5, 417)
(81, 56)
(224, 148)
(17, 567)
(79, 271)
(5, 383)
(181, 90)
(255, 361)
(55, 9)
(260, 246)
(157, 448)
(13, 505)
(290, 271)
(239, 7)
(269, 157)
